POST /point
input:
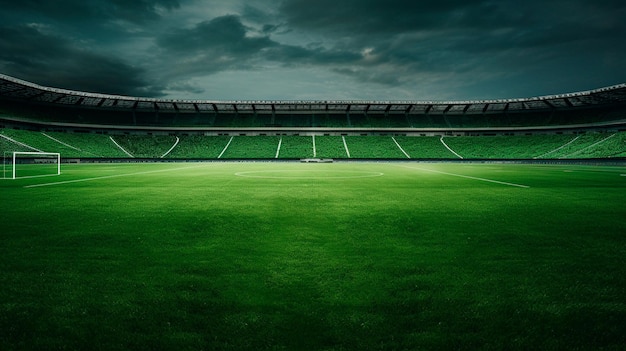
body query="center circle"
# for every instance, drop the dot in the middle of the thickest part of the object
(308, 174)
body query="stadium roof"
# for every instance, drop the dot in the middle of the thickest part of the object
(19, 90)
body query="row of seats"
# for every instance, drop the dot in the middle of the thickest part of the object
(90, 145)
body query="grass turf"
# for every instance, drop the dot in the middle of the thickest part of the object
(314, 256)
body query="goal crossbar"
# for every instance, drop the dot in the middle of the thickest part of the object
(15, 156)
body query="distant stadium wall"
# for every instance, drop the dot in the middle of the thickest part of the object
(28, 105)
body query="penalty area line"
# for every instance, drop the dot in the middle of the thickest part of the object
(468, 177)
(107, 177)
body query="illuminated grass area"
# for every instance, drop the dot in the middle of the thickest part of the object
(340, 256)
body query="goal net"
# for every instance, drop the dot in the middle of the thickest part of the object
(30, 164)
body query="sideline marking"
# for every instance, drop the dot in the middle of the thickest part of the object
(106, 177)
(468, 177)
(364, 174)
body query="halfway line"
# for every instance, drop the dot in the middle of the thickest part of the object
(106, 177)
(468, 177)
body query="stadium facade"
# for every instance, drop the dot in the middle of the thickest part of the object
(29, 105)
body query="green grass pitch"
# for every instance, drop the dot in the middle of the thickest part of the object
(290, 256)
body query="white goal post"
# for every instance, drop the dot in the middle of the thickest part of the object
(22, 164)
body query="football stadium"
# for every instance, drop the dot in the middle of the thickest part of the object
(148, 223)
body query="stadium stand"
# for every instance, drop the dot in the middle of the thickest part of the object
(546, 146)
(373, 147)
(41, 143)
(587, 124)
(296, 147)
(252, 147)
(91, 145)
(199, 147)
(330, 147)
(142, 147)
(427, 147)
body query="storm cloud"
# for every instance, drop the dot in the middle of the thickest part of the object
(85, 11)
(294, 49)
(46, 59)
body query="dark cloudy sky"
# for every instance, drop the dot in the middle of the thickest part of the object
(316, 49)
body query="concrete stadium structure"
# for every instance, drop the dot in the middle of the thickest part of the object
(28, 105)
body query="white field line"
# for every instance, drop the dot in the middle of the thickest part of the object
(37, 176)
(19, 143)
(109, 176)
(280, 142)
(226, 147)
(468, 177)
(60, 142)
(121, 148)
(449, 149)
(345, 145)
(591, 146)
(314, 148)
(172, 148)
(400, 147)
(308, 174)
(558, 148)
